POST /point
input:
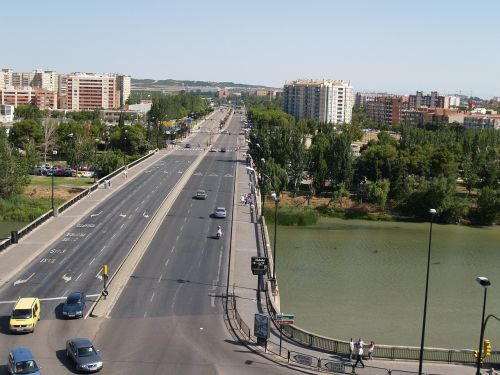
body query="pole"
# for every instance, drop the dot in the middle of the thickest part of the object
(421, 356)
(274, 248)
(52, 178)
(481, 336)
(281, 336)
(95, 162)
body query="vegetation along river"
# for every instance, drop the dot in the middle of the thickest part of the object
(354, 278)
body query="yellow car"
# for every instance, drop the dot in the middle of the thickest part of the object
(25, 315)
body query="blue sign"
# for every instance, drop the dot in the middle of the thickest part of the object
(261, 326)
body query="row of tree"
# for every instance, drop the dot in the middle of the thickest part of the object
(413, 170)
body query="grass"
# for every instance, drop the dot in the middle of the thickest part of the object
(21, 208)
(46, 181)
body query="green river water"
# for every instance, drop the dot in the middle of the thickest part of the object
(354, 278)
(7, 226)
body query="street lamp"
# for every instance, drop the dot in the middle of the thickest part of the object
(276, 200)
(485, 283)
(125, 146)
(432, 212)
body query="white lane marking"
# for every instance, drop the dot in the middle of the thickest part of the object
(177, 239)
(113, 236)
(48, 299)
(100, 212)
(25, 280)
(136, 209)
(182, 227)
(153, 296)
(66, 278)
(121, 226)
(64, 260)
(80, 275)
(123, 215)
(185, 219)
(102, 249)
(145, 215)
(172, 249)
(220, 264)
(92, 261)
(142, 202)
(168, 260)
(160, 278)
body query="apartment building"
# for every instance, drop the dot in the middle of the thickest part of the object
(123, 83)
(482, 121)
(91, 91)
(362, 98)
(43, 99)
(6, 113)
(385, 110)
(436, 116)
(328, 101)
(434, 100)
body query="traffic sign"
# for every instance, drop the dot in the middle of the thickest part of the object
(285, 319)
(259, 265)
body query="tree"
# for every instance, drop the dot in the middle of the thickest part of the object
(318, 167)
(27, 112)
(378, 192)
(49, 127)
(487, 211)
(24, 131)
(13, 169)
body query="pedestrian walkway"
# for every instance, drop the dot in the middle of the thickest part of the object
(20, 255)
(250, 297)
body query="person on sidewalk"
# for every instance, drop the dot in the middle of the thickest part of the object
(370, 350)
(360, 354)
(351, 349)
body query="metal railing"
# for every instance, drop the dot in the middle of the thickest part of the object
(40, 220)
(339, 347)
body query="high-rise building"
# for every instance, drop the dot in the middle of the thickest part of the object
(385, 110)
(434, 100)
(124, 87)
(365, 97)
(327, 101)
(91, 91)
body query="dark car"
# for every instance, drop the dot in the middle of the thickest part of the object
(74, 306)
(21, 361)
(83, 354)
(187, 145)
(222, 149)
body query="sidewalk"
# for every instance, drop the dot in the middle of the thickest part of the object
(247, 242)
(20, 255)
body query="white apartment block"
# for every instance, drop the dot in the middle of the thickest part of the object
(482, 122)
(125, 87)
(91, 91)
(328, 101)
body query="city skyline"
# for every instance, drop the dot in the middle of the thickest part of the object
(390, 46)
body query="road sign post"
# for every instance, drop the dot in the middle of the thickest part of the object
(284, 320)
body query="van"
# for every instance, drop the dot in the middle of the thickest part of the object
(25, 315)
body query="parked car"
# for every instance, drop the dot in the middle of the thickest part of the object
(74, 307)
(83, 354)
(220, 212)
(201, 194)
(85, 174)
(187, 145)
(222, 149)
(22, 361)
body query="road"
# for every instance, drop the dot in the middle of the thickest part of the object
(169, 318)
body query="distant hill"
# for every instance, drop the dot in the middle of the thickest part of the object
(174, 82)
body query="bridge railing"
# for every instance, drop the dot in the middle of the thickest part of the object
(40, 220)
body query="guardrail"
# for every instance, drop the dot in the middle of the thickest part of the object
(40, 220)
(339, 347)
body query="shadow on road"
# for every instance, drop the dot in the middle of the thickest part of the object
(4, 325)
(58, 311)
(65, 361)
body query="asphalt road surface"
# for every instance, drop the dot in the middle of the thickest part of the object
(169, 318)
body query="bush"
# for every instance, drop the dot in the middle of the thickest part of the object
(291, 216)
(20, 208)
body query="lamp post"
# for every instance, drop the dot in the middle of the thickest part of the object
(276, 200)
(485, 283)
(432, 212)
(125, 146)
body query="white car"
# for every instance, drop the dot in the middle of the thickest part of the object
(220, 212)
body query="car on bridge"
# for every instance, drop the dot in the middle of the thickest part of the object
(83, 354)
(74, 306)
(220, 212)
(201, 194)
(22, 361)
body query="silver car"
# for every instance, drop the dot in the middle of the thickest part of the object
(83, 354)
(220, 212)
(201, 194)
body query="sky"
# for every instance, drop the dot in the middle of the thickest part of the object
(399, 46)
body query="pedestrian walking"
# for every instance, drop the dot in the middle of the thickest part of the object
(351, 349)
(360, 355)
(370, 350)
(242, 199)
(109, 184)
